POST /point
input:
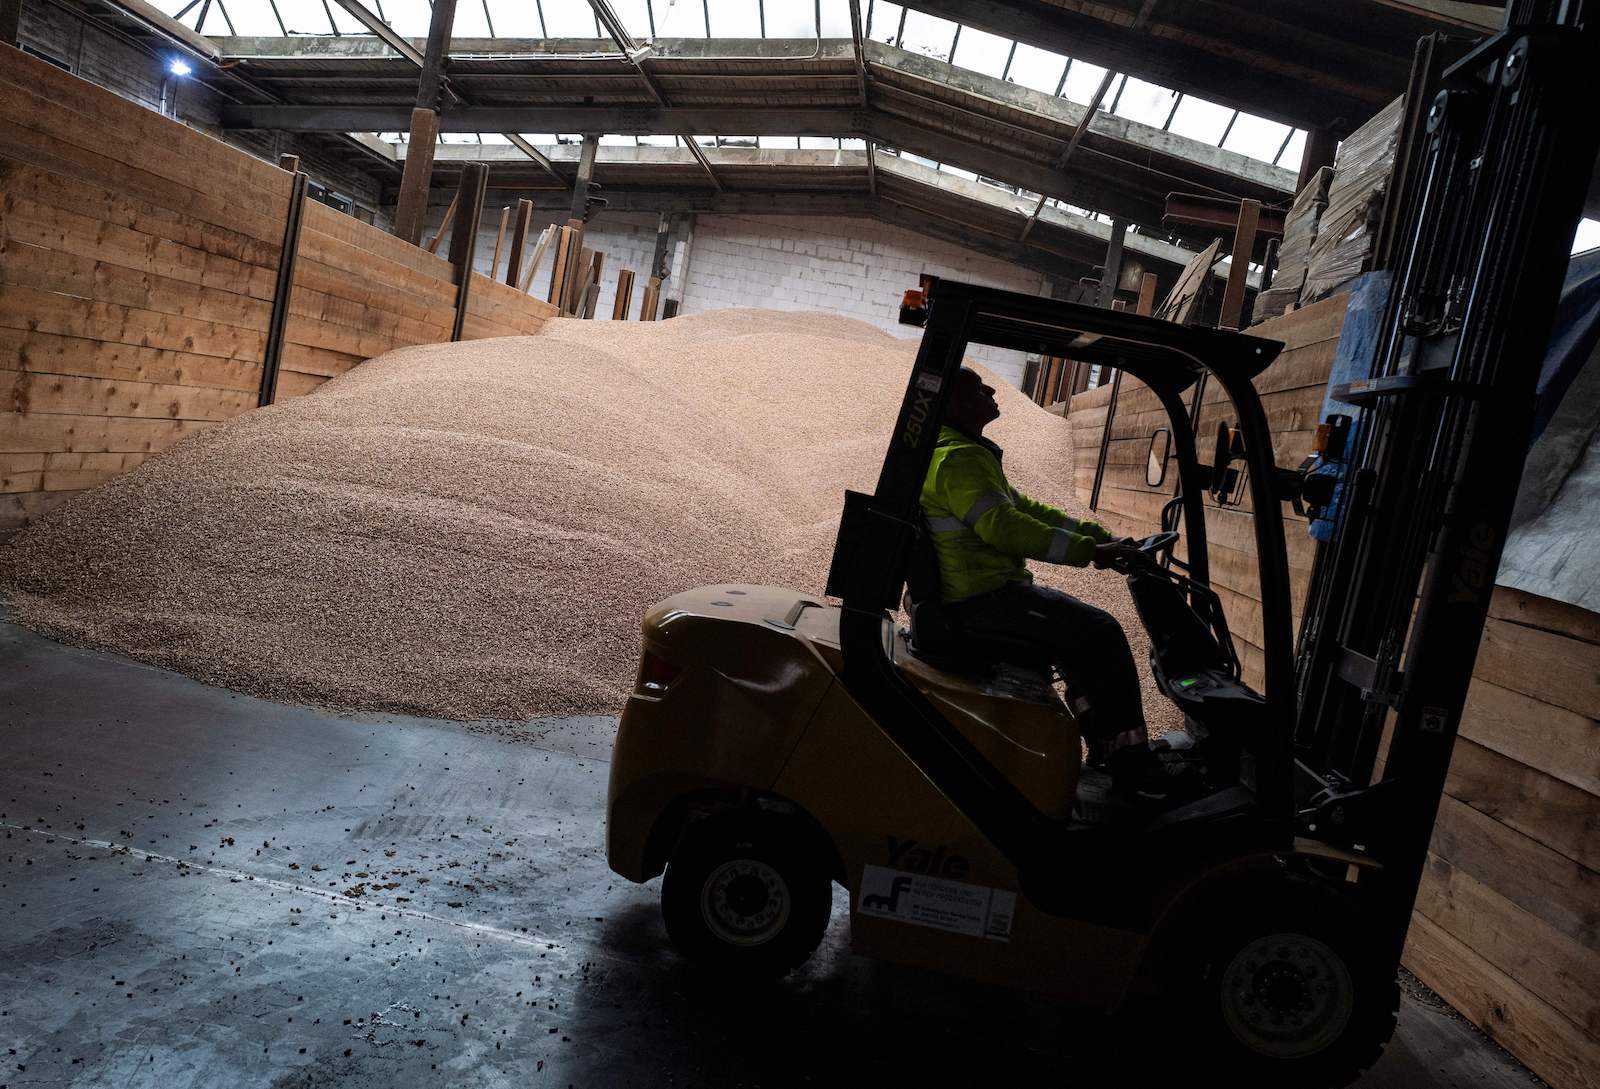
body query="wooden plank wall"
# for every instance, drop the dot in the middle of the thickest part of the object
(1507, 925)
(138, 265)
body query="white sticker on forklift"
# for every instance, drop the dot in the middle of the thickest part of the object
(977, 910)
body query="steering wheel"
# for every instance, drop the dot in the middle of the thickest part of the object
(1150, 549)
(1158, 543)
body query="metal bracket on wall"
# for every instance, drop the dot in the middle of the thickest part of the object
(464, 236)
(277, 325)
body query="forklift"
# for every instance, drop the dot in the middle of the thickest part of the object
(777, 743)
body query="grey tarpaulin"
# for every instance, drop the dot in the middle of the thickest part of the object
(1553, 549)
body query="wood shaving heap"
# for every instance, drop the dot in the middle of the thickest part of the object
(473, 531)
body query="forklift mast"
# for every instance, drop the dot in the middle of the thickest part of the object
(1437, 437)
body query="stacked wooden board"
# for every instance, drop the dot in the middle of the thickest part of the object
(138, 262)
(1507, 925)
(138, 269)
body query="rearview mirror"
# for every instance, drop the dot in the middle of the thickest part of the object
(1227, 483)
(1155, 469)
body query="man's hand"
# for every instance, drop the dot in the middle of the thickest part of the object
(1108, 554)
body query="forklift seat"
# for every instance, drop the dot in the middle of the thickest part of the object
(937, 637)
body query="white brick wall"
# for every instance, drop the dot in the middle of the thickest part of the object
(856, 267)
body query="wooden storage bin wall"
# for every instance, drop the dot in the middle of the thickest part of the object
(1507, 925)
(138, 261)
(138, 266)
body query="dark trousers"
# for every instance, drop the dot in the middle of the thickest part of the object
(1086, 644)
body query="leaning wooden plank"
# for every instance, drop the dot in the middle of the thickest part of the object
(532, 264)
(42, 311)
(24, 391)
(499, 243)
(27, 432)
(1559, 742)
(70, 274)
(113, 206)
(444, 224)
(1556, 814)
(558, 268)
(624, 297)
(45, 353)
(1541, 881)
(1551, 1045)
(23, 222)
(1550, 964)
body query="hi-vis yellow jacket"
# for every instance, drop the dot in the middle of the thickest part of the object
(983, 529)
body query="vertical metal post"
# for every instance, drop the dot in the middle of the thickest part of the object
(1113, 267)
(418, 173)
(464, 237)
(658, 263)
(278, 323)
(580, 187)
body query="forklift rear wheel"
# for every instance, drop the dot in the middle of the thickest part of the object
(1290, 992)
(746, 894)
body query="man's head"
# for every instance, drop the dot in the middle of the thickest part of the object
(972, 405)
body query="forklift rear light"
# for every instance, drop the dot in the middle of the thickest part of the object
(656, 674)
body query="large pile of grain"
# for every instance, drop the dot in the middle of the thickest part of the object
(473, 530)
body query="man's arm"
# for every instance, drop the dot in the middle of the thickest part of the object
(1052, 516)
(970, 483)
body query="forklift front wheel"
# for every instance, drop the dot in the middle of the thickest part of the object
(1293, 993)
(746, 894)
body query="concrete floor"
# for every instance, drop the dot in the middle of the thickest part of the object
(203, 889)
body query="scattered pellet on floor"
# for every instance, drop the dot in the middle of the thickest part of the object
(473, 531)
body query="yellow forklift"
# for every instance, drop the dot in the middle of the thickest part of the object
(777, 743)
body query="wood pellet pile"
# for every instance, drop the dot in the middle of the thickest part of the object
(473, 531)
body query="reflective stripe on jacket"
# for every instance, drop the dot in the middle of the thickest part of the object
(983, 529)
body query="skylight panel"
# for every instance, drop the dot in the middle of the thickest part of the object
(1256, 137)
(978, 51)
(1083, 81)
(471, 20)
(512, 18)
(562, 18)
(1201, 120)
(1037, 68)
(929, 35)
(611, 139)
(253, 19)
(1295, 152)
(835, 17)
(299, 16)
(680, 19)
(884, 21)
(1147, 103)
(852, 143)
(635, 16)
(410, 18)
(739, 19)
(658, 140)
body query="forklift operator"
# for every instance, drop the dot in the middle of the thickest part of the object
(983, 532)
